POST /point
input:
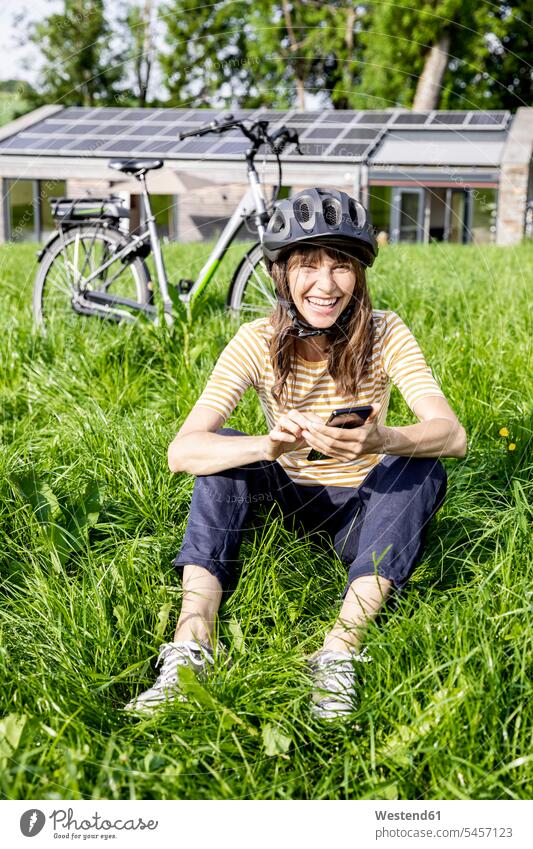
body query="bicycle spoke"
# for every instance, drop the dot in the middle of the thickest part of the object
(77, 269)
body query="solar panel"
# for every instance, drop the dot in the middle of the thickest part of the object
(103, 131)
(269, 115)
(79, 111)
(75, 129)
(131, 114)
(164, 115)
(109, 129)
(23, 142)
(448, 118)
(481, 118)
(374, 117)
(158, 146)
(104, 113)
(303, 117)
(361, 133)
(322, 133)
(87, 143)
(338, 116)
(204, 115)
(196, 145)
(123, 144)
(146, 130)
(411, 118)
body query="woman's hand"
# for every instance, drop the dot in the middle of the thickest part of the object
(286, 435)
(345, 444)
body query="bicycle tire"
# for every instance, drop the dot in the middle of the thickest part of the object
(251, 293)
(132, 280)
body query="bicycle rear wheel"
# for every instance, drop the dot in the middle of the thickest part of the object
(252, 293)
(58, 294)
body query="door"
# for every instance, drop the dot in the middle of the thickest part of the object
(407, 215)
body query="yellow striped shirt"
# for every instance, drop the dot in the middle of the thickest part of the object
(245, 362)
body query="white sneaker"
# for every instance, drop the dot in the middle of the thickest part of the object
(197, 656)
(333, 673)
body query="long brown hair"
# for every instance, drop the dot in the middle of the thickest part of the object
(350, 348)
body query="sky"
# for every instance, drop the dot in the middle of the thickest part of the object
(12, 56)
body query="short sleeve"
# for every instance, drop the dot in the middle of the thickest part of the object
(404, 362)
(237, 368)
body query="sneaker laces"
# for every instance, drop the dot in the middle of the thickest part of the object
(334, 671)
(173, 655)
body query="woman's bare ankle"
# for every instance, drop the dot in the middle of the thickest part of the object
(193, 627)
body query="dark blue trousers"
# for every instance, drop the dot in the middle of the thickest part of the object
(376, 528)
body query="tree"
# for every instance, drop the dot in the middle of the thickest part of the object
(310, 46)
(138, 29)
(78, 64)
(205, 60)
(452, 54)
(261, 52)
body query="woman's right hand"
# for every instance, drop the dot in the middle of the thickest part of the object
(285, 436)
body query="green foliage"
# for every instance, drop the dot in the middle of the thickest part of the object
(445, 705)
(79, 66)
(206, 60)
(488, 63)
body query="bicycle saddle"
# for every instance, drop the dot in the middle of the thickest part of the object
(134, 166)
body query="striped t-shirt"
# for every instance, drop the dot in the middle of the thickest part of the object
(245, 362)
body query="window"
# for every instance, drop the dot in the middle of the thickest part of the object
(484, 204)
(49, 189)
(380, 208)
(21, 210)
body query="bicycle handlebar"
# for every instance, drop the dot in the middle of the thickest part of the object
(279, 139)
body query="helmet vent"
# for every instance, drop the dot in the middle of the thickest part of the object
(357, 213)
(278, 224)
(302, 211)
(332, 212)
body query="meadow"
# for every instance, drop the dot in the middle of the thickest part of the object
(91, 518)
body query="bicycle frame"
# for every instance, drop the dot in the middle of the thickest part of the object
(252, 204)
(244, 210)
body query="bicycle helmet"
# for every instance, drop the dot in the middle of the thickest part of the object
(324, 217)
(321, 215)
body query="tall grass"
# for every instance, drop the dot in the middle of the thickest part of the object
(91, 519)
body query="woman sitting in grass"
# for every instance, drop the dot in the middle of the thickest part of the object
(373, 490)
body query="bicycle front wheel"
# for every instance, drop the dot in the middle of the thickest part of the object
(62, 279)
(252, 293)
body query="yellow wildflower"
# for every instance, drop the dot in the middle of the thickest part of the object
(504, 431)
(511, 446)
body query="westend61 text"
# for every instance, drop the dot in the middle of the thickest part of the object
(65, 819)
(407, 815)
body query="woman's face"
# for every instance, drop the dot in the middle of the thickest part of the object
(321, 287)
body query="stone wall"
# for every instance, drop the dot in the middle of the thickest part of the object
(514, 179)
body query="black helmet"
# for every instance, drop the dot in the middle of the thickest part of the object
(324, 216)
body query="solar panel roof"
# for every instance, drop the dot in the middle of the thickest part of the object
(336, 135)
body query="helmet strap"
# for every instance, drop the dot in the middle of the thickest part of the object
(304, 329)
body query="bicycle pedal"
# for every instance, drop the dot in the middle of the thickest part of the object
(184, 285)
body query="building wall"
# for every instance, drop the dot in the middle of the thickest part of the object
(514, 179)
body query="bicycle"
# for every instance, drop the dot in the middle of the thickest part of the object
(91, 267)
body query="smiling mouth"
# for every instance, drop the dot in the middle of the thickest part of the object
(322, 304)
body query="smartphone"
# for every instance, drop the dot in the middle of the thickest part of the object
(347, 417)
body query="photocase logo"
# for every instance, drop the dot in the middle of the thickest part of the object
(32, 822)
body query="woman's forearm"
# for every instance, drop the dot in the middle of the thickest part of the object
(204, 453)
(431, 438)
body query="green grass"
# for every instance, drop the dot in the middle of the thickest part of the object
(91, 519)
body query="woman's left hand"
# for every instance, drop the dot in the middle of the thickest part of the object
(344, 444)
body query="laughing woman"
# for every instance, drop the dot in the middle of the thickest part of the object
(373, 489)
